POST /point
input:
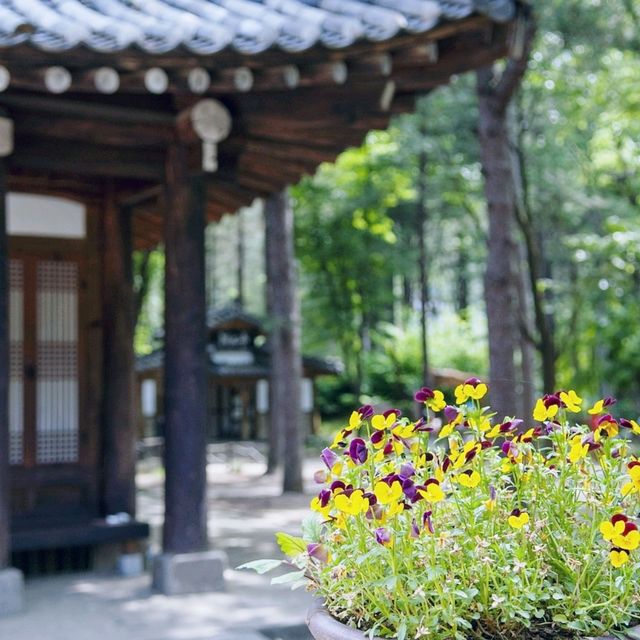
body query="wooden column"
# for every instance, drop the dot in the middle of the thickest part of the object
(5, 509)
(185, 525)
(286, 362)
(119, 424)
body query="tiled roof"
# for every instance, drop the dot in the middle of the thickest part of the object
(204, 27)
(315, 365)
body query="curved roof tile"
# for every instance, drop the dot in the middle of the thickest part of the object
(208, 26)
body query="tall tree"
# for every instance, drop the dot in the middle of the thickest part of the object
(495, 89)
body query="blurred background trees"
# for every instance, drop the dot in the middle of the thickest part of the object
(363, 223)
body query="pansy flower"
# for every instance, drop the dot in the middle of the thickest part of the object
(431, 398)
(508, 426)
(383, 537)
(518, 519)
(431, 491)
(355, 420)
(352, 504)
(621, 532)
(490, 504)
(546, 407)
(387, 493)
(332, 461)
(618, 557)
(469, 478)
(630, 424)
(473, 388)
(633, 486)
(383, 421)
(404, 431)
(365, 411)
(358, 451)
(571, 400)
(605, 425)
(321, 503)
(577, 448)
(601, 405)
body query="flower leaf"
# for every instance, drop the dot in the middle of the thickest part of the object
(292, 576)
(290, 545)
(261, 566)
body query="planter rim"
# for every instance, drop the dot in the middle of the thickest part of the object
(323, 626)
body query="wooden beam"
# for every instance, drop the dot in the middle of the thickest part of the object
(119, 424)
(185, 524)
(87, 159)
(5, 489)
(286, 361)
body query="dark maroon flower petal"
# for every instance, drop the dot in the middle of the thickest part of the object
(329, 457)
(406, 470)
(474, 382)
(358, 451)
(382, 536)
(365, 411)
(450, 413)
(388, 412)
(338, 484)
(378, 436)
(423, 394)
(426, 521)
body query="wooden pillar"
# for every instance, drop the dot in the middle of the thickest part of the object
(5, 512)
(185, 387)
(119, 423)
(286, 361)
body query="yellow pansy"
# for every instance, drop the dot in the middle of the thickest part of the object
(518, 519)
(404, 430)
(571, 400)
(437, 403)
(633, 469)
(611, 530)
(316, 505)
(353, 504)
(597, 408)
(379, 422)
(470, 479)
(386, 493)
(618, 557)
(432, 492)
(578, 450)
(394, 509)
(541, 412)
(472, 388)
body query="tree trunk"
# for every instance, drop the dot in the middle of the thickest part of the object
(286, 361)
(499, 275)
(5, 488)
(527, 388)
(185, 525)
(421, 230)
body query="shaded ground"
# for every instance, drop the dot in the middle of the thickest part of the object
(245, 510)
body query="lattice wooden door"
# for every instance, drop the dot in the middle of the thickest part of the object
(45, 391)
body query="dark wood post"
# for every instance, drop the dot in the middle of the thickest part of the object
(185, 385)
(5, 513)
(286, 362)
(119, 424)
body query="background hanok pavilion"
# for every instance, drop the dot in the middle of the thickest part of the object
(153, 117)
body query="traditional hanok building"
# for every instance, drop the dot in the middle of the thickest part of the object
(238, 362)
(143, 119)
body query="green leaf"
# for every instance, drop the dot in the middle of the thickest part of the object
(290, 545)
(402, 630)
(261, 566)
(292, 576)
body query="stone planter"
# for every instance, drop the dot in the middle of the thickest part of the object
(324, 627)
